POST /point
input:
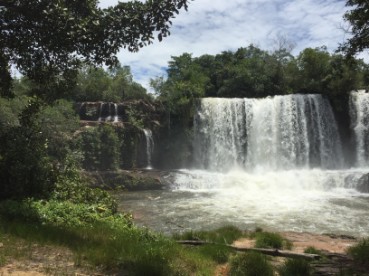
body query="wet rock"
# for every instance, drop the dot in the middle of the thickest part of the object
(135, 180)
(363, 184)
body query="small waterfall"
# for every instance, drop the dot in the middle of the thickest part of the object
(116, 118)
(149, 146)
(274, 133)
(109, 117)
(100, 119)
(359, 113)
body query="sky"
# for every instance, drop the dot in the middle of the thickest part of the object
(213, 26)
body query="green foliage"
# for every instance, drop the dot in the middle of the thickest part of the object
(46, 40)
(10, 111)
(60, 213)
(295, 267)
(312, 250)
(113, 85)
(360, 252)
(70, 186)
(109, 148)
(250, 264)
(358, 18)
(253, 73)
(37, 140)
(58, 122)
(89, 143)
(271, 240)
(135, 118)
(100, 238)
(25, 166)
(129, 138)
(218, 253)
(224, 235)
(100, 148)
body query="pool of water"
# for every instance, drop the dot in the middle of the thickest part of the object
(300, 200)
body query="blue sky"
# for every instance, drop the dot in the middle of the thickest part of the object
(213, 26)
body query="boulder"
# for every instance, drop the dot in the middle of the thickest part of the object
(363, 184)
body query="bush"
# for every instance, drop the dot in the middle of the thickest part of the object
(360, 251)
(250, 264)
(225, 235)
(218, 253)
(271, 240)
(295, 267)
(61, 213)
(313, 250)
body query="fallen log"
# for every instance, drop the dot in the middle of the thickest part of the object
(266, 251)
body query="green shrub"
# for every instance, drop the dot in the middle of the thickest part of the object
(218, 253)
(295, 267)
(250, 264)
(225, 235)
(71, 186)
(271, 240)
(360, 251)
(61, 213)
(312, 250)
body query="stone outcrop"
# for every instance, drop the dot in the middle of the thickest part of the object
(363, 184)
(135, 180)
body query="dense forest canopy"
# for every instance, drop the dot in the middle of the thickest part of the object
(251, 72)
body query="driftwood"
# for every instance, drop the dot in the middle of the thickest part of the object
(271, 252)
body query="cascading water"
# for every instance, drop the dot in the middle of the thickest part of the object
(284, 132)
(116, 118)
(149, 146)
(359, 113)
(275, 162)
(108, 118)
(100, 119)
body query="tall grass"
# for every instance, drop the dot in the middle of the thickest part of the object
(271, 240)
(110, 241)
(360, 252)
(295, 267)
(224, 235)
(250, 264)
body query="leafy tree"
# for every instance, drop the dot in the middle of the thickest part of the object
(123, 87)
(113, 85)
(10, 111)
(58, 123)
(46, 40)
(314, 68)
(92, 84)
(25, 167)
(89, 142)
(100, 148)
(358, 17)
(109, 148)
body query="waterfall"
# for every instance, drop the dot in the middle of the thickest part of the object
(100, 119)
(359, 113)
(149, 146)
(108, 118)
(274, 133)
(116, 118)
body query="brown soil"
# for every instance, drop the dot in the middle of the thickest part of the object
(301, 241)
(39, 260)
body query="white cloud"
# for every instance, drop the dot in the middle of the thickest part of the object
(212, 26)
